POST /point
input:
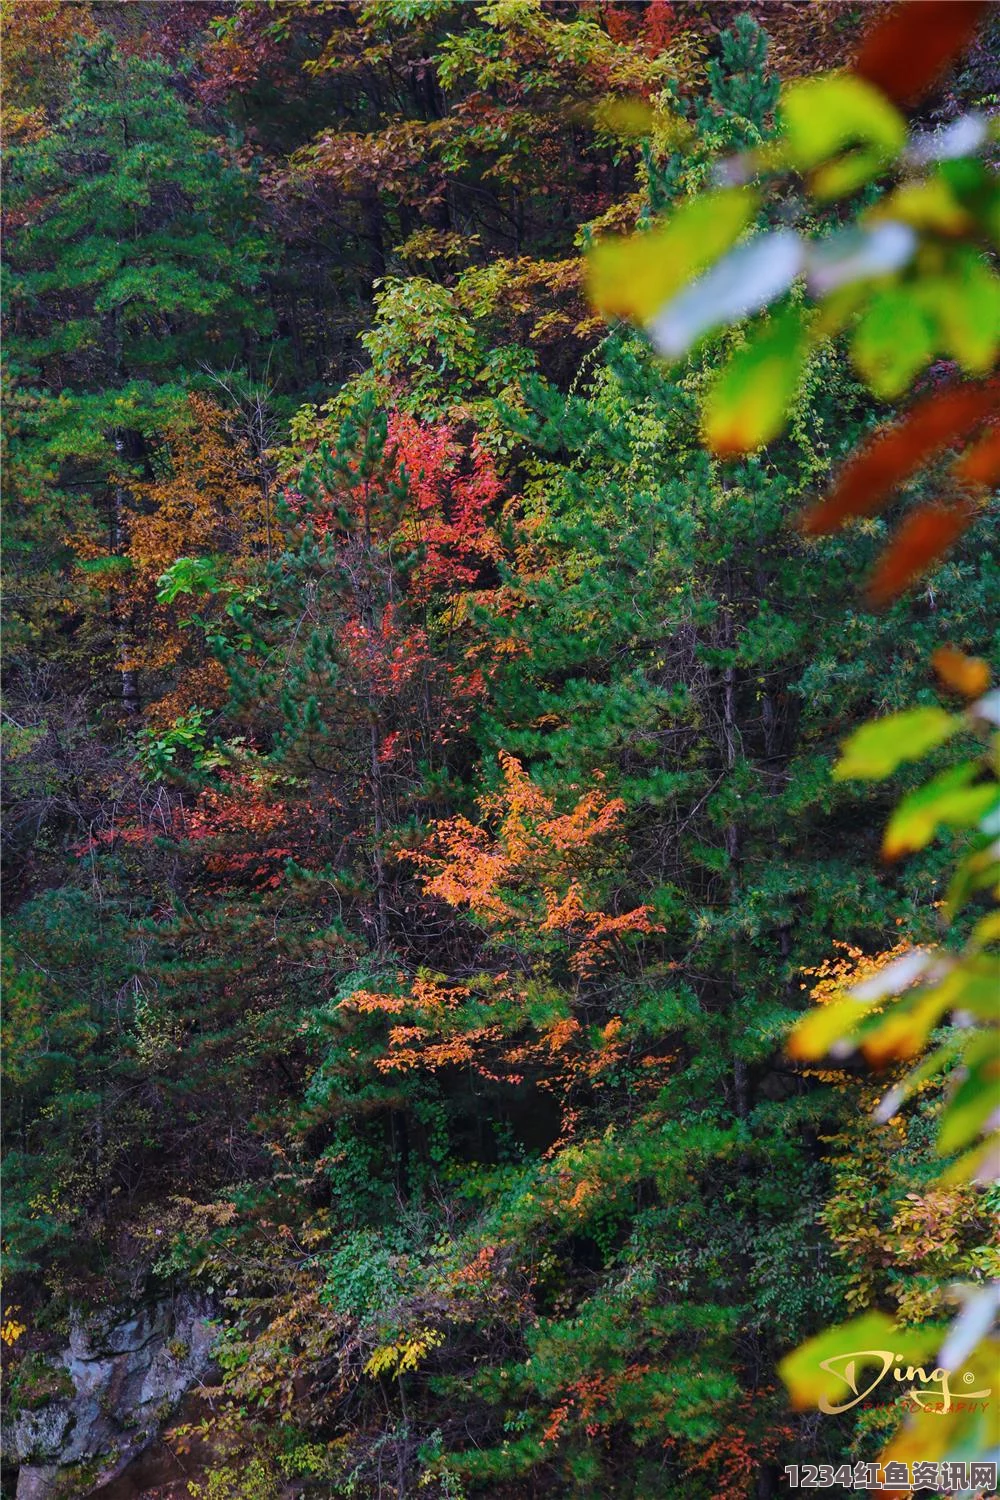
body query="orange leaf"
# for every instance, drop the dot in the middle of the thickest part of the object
(924, 537)
(967, 675)
(980, 464)
(892, 455)
(904, 54)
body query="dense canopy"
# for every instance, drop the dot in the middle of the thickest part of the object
(446, 443)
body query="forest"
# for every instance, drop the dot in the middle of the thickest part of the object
(500, 749)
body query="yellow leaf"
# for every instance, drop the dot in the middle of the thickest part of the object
(875, 750)
(747, 403)
(967, 1428)
(839, 129)
(814, 1035)
(981, 1164)
(634, 277)
(904, 1030)
(841, 1366)
(625, 116)
(11, 1331)
(924, 205)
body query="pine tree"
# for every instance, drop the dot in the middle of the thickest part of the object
(131, 260)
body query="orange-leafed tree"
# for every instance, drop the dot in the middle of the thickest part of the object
(540, 876)
(202, 498)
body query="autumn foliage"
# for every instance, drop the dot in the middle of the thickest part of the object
(499, 737)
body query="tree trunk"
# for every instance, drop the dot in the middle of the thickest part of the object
(125, 445)
(378, 857)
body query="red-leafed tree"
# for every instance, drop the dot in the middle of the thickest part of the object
(364, 653)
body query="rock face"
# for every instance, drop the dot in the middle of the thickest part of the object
(126, 1378)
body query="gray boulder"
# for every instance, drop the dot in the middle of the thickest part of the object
(115, 1385)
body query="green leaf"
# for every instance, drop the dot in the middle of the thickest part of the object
(748, 402)
(188, 575)
(895, 337)
(946, 801)
(978, 871)
(936, 1062)
(975, 987)
(966, 305)
(839, 129)
(977, 189)
(876, 749)
(981, 1164)
(634, 277)
(977, 1098)
(102, 565)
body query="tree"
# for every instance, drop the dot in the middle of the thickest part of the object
(131, 258)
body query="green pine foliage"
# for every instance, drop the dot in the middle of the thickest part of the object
(133, 262)
(136, 253)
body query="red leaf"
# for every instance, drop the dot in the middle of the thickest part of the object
(892, 455)
(925, 536)
(904, 54)
(980, 464)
